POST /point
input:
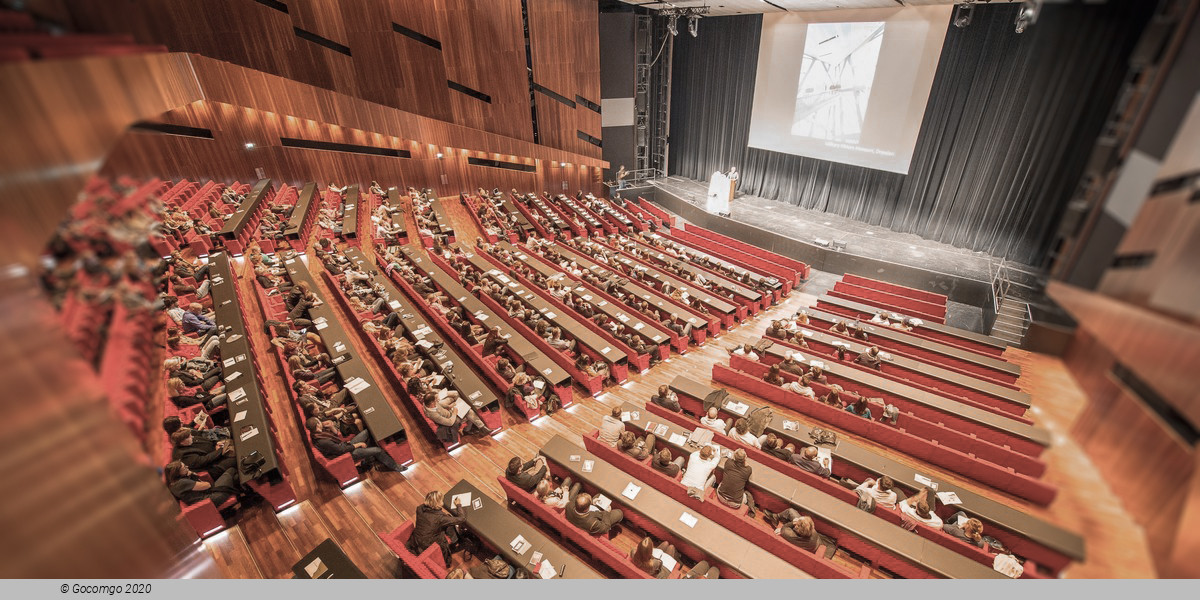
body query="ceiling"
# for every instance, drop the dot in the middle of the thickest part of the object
(744, 7)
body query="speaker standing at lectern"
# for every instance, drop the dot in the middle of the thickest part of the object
(720, 192)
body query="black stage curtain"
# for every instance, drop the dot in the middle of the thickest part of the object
(1006, 136)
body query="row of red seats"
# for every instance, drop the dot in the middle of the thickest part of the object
(942, 337)
(912, 376)
(427, 565)
(930, 442)
(892, 288)
(594, 384)
(486, 364)
(946, 358)
(746, 260)
(891, 302)
(835, 490)
(127, 368)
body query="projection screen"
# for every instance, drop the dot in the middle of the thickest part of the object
(847, 86)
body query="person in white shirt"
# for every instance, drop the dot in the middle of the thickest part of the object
(711, 421)
(611, 427)
(917, 509)
(801, 386)
(741, 432)
(700, 466)
(745, 350)
(880, 490)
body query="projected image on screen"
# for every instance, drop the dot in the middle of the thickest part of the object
(836, 74)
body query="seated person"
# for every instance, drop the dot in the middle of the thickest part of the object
(432, 521)
(527, 475)
(554, 496)
(881, 491)
(699, 471)
(773, 377)
(666, 398)
(327, 438)
(833, 397)
(777, 330)
(795, 528)
(712, 421)
(870, 358)
(444, 412)
(195, 321)
(172, 424)
(642, 557)
(860, 407)
(917, 509)
(732, 492)
(638, 448)
(200, 454)
(183, 396)
(741, 432)
(611, 427)
(807, 459)
(801, 387)
(190, 489)
(663, 462)
(744, 350)
(965, 528)
(791, 365)
(492, 568)
(817, 374)
(596, 522)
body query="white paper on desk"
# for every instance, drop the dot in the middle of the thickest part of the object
(677, 439)
(587, 297)
(249, 433)
(315, 569)
(228, 362)
(320, 326)
(239, 416)
(395, 304)
(550, 315)
(825, 457)
(688, 519)
(232, 376)
(463, 498)
(631, 491)
(668, 561)
(289, 261)
(520, 545)
(639, 326)
(233, 338)
(481, 316)
(806, 333)
(602, 303)
(949, 498)
(463, 408)
(816, 363)
(790, 426)
(623, 318)
(602, 501)
(661, 430)
(537, 383)
(548, 370)
(339, 347)
(573, 458)
(587, 465)
(241, 357)
(546, 571)
(605, 350)
(925, 481)
(237, 394)
(626, 416)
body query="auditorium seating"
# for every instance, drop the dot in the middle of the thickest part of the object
(889, 301)
(598, 547)
(951, 336)
(899, 290)
(591, 222)
(658, 213)
(427, 565)
(1005, 402)
(933, 443)
(891, 339)
(859, 463)
(640, 362)
(789, 277)
(801, 269)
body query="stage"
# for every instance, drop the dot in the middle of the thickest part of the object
(964, 276)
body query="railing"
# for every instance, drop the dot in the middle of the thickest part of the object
(635, 178)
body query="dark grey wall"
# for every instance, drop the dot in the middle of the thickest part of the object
(616, 81)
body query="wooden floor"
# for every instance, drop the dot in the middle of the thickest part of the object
(263, 544)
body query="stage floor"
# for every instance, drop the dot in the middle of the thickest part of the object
(861, 239)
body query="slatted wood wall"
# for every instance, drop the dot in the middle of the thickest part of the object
(482, 47)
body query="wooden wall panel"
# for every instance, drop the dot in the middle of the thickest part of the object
(564, 42)
(1163, 352)
(482, 47)
(1150, 468)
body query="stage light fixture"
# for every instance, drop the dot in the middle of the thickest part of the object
(694, 25)
(439, 154)
(962, 14)
(249, 145)
(1028, 15)
(673, 24)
